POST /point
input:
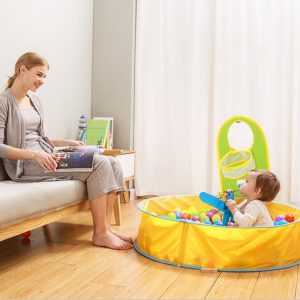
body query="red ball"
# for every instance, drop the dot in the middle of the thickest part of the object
(289, 218)
(185, 216)
(26, 235)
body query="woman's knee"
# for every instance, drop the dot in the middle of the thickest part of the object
(101, 161)
(114, 163)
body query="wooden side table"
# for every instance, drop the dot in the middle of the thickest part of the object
(127, 161)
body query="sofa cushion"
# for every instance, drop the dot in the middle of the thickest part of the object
(22, 201)
(3, 174)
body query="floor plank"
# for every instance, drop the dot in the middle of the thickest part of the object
(191, 284)
(96, 290)
(233, 286)
(132, 266)
(152, 283)
(279, 284)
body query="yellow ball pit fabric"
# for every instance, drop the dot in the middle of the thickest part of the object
(216, 247)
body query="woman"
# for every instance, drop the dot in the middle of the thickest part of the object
(27, 153)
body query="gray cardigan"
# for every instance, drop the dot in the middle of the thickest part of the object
(12, 134)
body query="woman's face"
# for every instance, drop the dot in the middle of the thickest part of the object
(34, 77)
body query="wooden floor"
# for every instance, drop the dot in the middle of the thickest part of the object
(61, 263)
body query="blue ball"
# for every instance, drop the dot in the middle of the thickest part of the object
(207, 222)
(178, 214)
(218, 222)
(281, 222)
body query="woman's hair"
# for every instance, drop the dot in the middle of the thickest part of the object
(268, 183)
(29, 60)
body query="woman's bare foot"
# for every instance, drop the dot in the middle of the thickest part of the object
(109, 240)
(121, 236)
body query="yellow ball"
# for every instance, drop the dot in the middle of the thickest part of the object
(216, 217)
(192, 209)
(202, 215)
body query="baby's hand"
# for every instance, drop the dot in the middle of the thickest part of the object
(227, 193)
(231, 204)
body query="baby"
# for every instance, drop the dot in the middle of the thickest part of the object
(260, 186)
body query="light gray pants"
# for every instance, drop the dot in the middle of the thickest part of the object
(106, 177)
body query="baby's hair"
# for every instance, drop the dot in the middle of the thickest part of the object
(29, 60)
(268, 183)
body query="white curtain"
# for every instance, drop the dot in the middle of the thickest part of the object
(199, 62)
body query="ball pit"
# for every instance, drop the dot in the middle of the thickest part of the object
(191, 244)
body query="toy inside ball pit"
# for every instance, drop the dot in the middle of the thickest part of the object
(201, 244)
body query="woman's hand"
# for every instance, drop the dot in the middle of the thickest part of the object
(46, 161)
(63, 143)
(76, 143)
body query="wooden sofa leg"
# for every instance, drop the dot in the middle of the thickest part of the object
(117, 211)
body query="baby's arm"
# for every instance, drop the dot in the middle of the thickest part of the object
(249, 217)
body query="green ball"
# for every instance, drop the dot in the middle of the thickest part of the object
(195, 214)
(204, 218)
(171, 215)
(202, 215)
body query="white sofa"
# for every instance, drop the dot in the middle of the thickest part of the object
(25, 206)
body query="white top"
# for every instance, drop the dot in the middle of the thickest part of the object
(254, 213)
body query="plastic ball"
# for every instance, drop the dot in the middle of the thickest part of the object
(195, 213)
(207, 222)
(218, 222)
(185, 216)
(178, 214)
(26, 235)
(279, 218)
(205, 218)
(202, 215)
(281, 222)
(192, 209)
(195, 218)
(215, 218)
(289, 218)
(213, 211)
(171, 215)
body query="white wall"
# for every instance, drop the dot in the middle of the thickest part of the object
(61, 31)
(113, 66)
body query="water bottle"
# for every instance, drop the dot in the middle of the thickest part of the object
(82, 129)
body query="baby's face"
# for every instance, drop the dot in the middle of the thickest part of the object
(248, 188)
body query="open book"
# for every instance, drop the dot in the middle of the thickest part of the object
(76, 158)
